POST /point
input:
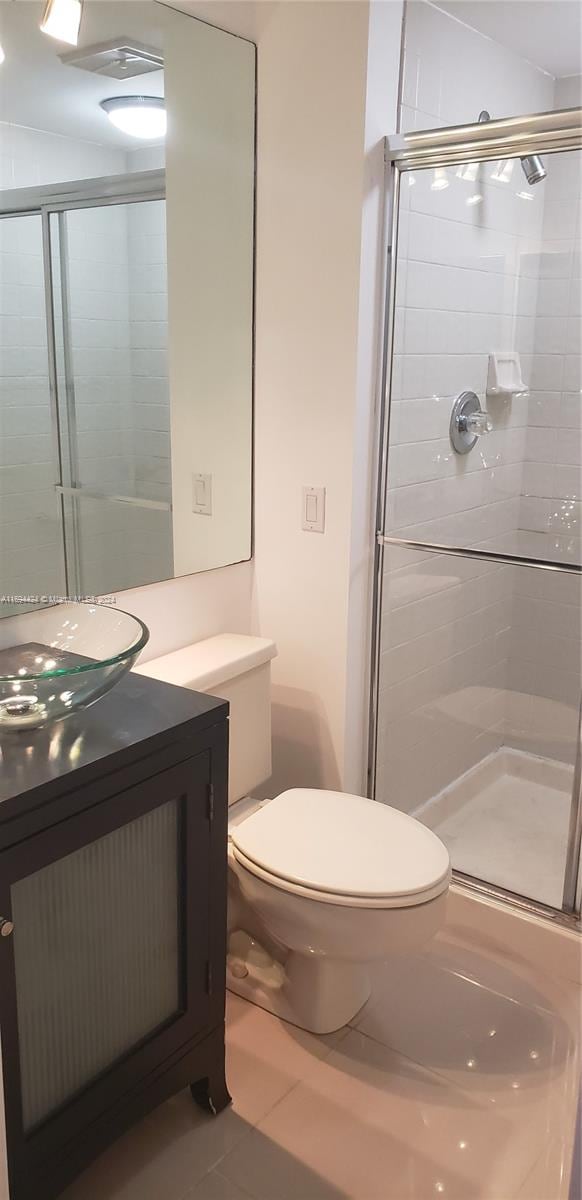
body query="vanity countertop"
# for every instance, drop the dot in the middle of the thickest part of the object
(139, 716)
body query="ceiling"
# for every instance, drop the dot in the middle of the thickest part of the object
(245, 18)
(546, 32)
(39, 91)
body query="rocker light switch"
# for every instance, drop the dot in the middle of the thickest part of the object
(313, 510)
(202, 494)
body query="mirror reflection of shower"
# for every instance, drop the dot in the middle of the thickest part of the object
(532, 165)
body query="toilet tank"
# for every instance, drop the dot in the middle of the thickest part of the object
(237, 668)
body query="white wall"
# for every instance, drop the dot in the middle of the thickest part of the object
(180, 611)
(384, 42)
(312, 68)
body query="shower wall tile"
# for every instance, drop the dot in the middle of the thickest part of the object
(97, 260)
(149, 338)
(455, 71)
(29, 527)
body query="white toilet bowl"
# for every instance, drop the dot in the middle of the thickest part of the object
(322, 884)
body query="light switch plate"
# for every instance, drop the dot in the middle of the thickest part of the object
(313, 509)
(202, 494)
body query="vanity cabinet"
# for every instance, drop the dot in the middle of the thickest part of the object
(112, 916)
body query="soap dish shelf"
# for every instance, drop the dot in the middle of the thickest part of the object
(504, 376)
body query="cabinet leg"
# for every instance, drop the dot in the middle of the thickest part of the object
(211, 1092)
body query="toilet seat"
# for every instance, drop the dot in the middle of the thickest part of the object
(357, 852)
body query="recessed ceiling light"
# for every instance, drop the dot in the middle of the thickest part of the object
(2, 55)
(139, 116)
(61, 20)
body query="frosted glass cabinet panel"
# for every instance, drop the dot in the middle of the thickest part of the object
(97, 931)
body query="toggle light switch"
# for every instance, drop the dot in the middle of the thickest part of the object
(313, 510)
(202, 494)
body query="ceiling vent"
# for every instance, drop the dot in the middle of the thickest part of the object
(123, 58)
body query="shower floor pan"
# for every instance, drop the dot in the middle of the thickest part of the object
(506, 822)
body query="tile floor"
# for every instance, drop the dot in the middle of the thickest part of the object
(506, 821)
(458, 1079)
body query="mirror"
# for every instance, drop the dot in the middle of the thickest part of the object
(126, 289)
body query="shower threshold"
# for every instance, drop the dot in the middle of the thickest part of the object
(506, 822)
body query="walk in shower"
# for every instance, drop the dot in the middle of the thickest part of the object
(477, 651)
(86, 493)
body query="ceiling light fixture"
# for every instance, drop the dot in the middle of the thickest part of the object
(139, 116)
(61, 20)
(2, 55)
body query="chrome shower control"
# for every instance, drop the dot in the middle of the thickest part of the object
(468, 422)
(477, 423)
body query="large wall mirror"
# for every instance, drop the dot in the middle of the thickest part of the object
(126, 299)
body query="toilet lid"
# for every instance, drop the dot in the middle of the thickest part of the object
(346, 845)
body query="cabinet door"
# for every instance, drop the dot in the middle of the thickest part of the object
(105, 975)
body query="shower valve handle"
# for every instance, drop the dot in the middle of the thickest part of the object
(475, 423)
(468, 422)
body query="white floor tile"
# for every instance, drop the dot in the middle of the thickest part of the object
(459, 1081)
(372, 1125)
(163, 1157)
(178, 1144)
(215, 1186)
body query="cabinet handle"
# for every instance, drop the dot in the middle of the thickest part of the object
(6, 927)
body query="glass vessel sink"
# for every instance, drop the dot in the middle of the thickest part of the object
(61, 658)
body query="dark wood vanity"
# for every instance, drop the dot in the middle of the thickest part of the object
(113, 829)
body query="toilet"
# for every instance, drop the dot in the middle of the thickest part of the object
(322, 884)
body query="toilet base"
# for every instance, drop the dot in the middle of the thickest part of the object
(312, 991)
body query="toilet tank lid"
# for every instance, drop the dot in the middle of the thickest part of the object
(205, 665)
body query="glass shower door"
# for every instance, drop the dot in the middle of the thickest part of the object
(110, 303)
(479, 624)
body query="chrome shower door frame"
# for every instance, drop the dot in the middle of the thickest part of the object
(516, 137)
(51, 203)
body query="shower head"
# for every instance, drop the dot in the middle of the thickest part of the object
(533, 168)
(532, 164)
